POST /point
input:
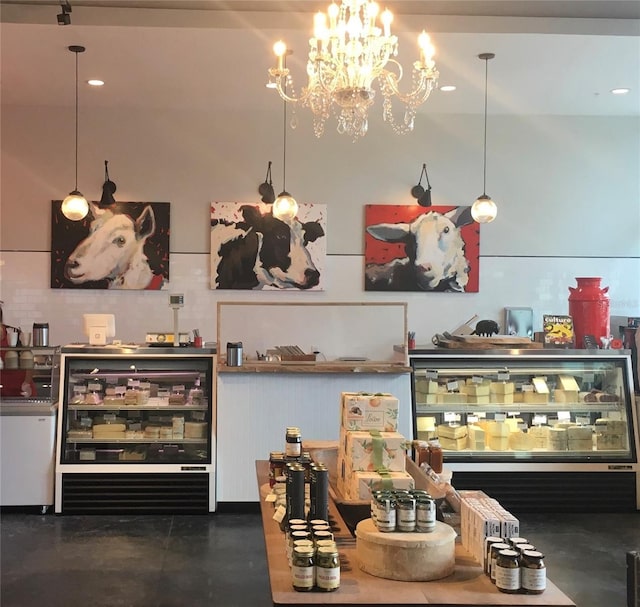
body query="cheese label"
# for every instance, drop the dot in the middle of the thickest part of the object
(450, 417)
(500, 417)
(539, 420)
(452, 386)
(503, 375)
(431, 374)
(564, 416)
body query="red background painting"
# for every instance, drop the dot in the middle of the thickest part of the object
(378, 251)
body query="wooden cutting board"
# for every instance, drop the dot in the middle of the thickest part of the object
(477, 342)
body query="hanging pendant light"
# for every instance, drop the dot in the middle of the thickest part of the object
(75, 206)
(484, 210)
(108, 188)
(285, 205)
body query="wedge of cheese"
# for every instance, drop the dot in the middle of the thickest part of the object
(502, 387)
(535, 398)
(566, 396)
(476, 440)
(568, 383)
(453, 444)
(452, 432)
(478, 389)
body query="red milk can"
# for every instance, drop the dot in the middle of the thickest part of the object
(589, 308)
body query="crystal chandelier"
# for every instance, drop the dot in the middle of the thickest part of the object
(349, 51)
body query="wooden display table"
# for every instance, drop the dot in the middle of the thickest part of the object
(466, 586)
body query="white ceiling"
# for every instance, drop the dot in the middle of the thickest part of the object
(551, 57)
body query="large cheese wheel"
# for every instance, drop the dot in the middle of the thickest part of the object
(410, 557)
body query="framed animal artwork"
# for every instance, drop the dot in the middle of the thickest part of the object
(123, 246)
(251, 249)
(413, 248)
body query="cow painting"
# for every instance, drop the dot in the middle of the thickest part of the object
(122, 246)
(411, 248)
(252, 249)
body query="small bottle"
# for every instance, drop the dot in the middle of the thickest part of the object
(327, 569)
(533, 572)
(507, 572)
(293, 442)
(302, 569)
(435, 457)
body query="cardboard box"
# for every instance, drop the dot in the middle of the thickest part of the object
(365, 411)
(372, 451)
(359, 484)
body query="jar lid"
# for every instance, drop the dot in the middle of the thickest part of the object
(507, 552)
(329, 550)
(303, 550)
(534, 554)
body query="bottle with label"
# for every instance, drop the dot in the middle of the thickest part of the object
(302, 569)
(293, 442)
(494, 550)
(507, 571)
(327, 569)
(533, 572)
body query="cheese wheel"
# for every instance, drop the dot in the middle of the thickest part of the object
(520, 441)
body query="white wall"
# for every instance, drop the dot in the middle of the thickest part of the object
(567, 189)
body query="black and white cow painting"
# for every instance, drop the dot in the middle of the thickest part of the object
(251, 249)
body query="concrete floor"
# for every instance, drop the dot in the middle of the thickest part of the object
(219, 560)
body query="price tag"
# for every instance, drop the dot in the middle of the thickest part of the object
(120, 390)
(450, 417)
(271, 497)
(471, 419)
(200, 415)
(476, 379)
(503, 375)
(539, 420)
(134, 383)
(564, 416)
(85, 422)
(95, 388)
(109, 417)
(431, 374)
(481, 414)
(452, 386)
(178, 388)
(513, 413)
(527, 387)
(500, 417)
(135, 426)
(80, 389)
(278, 515)
(581, 420)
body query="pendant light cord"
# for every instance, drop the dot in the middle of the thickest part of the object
(486, 84)
(76, 54)
(284, 135)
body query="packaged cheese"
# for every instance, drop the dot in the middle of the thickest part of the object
(372, 450)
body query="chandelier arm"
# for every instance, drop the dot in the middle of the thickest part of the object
(419, 94)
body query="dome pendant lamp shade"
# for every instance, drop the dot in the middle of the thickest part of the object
(75, 206)
(484, 210)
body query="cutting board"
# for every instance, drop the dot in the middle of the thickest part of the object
(477, 342)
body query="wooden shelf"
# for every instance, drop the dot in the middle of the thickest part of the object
(317, 367)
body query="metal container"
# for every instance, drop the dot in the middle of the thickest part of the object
(41, 334)
(234, 354)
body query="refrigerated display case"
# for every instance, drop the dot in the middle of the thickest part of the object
(136, 430)
(536, 429)
(28, 409)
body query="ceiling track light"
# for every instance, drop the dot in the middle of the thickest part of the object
(484, 210)
(75, 206)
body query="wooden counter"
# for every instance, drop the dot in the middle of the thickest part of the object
(467, 586)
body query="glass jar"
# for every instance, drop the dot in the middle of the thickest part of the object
(436, 459)
(293, 442)
(425, 514)
(406, 514)
(488, 542)
(383, 511)
(507, 572)
(533, 572)
(494, 550)
(302, 569)
(327, 569)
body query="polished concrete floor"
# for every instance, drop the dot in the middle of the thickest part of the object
(219, 560)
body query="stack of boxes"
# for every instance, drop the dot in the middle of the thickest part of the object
(480, 517)
(371, 453)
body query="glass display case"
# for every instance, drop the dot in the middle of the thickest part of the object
(139, 424)
(532, 419)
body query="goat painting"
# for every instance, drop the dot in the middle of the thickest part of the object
(123, 246)
(251, 249)
(411, 248)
